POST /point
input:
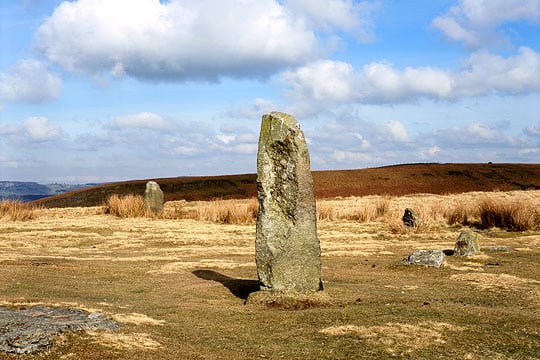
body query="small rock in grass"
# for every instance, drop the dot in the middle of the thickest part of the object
(467, 244)
(433, 258)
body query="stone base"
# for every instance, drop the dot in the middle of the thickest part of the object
(290, 300)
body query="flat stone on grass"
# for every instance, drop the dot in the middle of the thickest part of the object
(433, 258)
(29, 330)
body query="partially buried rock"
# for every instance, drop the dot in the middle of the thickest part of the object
(34, 329)
(433, 258)
(153, 197)
(287, 249)
(467, 244)
(410, 218)
(498, 249)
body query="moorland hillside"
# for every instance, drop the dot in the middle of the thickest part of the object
(394, 180)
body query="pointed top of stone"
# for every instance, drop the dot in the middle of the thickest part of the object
(152, 185)
(277, 125)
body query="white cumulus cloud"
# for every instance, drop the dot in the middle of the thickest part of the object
(482, 73)
(347, 15)
(145, 120)
(398, 131)
(325, 79)
(176, 40)
(29, 80)
(38, 128)
(476, 22)
(485, 72)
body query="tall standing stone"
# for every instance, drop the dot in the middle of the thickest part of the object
(153, 197)
(287, 249)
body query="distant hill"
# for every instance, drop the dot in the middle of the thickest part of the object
(28, 191)
(388, 180)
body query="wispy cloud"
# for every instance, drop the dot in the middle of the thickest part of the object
(476, 23)
(29, 80)
(38, 128)
(143, 120)
(346, 15)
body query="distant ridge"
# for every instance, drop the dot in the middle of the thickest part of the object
(27, 191)
(388, 180)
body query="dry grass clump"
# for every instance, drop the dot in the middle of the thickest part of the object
(512, 215)
(218, 211)
(461, 213)
(226, 211)
(16, 210)
(125, 206)
(512, 211)
(354, 209)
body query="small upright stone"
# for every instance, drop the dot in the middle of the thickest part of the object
(467, 244)
(153, 197)
(287, 249)
(410, 218)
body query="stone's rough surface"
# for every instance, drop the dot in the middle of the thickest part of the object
(410, 218)
(34, 329)
(467, 244)
(153, 197)
(425, 257)
(287, 249)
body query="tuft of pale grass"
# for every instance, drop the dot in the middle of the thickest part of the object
(227, 211)
(16, 210)
(509, 215)
(462, 213)
(513, 211)
(353, 209)
(125, 206)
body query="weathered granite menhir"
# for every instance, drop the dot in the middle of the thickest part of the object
(153, 197)
(287, 249)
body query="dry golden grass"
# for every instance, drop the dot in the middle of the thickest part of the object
(513, 214)
(226, 211)
(179, 285)
(355, 209)
(125, 206)
(16, 210)
(513, 211)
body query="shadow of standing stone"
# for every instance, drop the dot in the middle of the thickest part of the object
(238, 287)
(287, 249)
(34, 329)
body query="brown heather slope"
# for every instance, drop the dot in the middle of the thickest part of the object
(389, 180)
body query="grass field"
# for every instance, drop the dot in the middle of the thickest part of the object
(179, 283)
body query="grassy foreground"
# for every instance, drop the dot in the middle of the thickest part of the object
(179, 285)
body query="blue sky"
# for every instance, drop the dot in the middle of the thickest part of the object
(109, 90)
